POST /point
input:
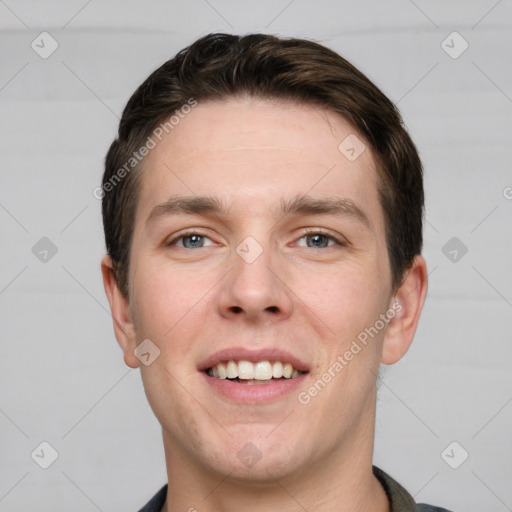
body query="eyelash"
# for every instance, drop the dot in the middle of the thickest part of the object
(307, 232)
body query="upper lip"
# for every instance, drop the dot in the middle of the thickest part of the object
(254, 356)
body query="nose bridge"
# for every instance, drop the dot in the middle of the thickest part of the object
(253, 287)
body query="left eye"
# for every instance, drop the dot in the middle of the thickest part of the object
(191, 241)
(318, 240)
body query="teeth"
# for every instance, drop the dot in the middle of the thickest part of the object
(232, 370)
(263, 370)
(221, 368)
(245, 370)
(260, 371)
(277, 370)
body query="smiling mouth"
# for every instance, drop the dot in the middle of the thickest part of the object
(248, 373)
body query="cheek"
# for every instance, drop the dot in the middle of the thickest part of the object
(164, 298)
(346, 299)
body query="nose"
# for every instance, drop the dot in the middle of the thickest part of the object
(255, 289)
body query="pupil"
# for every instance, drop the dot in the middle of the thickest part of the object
(318, 240)
(194, 241)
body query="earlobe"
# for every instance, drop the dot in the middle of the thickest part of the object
(120, 309)
(407, 304)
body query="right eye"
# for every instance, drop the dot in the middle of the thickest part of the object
(190, 240)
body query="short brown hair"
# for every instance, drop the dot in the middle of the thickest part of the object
(219, 66)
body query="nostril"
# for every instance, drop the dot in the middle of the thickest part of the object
(271, 309)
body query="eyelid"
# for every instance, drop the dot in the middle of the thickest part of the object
(178, 236)
(322, 231)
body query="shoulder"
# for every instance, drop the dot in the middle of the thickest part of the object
(400, 500)
(423, 507)
(156, 503)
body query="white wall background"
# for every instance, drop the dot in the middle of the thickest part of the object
(62, 377)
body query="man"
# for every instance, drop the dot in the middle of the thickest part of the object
(262, 208)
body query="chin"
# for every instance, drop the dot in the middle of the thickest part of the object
(259, 468)
(255, 454)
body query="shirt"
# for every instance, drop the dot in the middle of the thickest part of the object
(399, 499)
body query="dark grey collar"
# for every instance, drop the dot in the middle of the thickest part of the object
(400, 500)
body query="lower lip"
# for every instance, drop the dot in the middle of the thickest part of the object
(257, 393)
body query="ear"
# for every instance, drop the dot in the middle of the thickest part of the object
(407, 304)
(121, 315)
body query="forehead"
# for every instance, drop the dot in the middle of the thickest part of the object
(252, 152)
(245, 123)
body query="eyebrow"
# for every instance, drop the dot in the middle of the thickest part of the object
(299, 205)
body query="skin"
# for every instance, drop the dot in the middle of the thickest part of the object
(311, 301)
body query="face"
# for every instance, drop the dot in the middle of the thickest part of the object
(257, 241)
